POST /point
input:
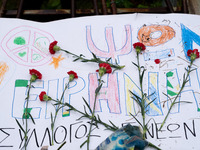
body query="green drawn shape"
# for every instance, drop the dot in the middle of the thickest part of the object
(28, 111)
(21, 83)
(198, 109)
(170, 74)
(171, 93)
(65, 115)
(19, 41)
(37, 39)
(22, 54)
(36, 56)
(169, 84)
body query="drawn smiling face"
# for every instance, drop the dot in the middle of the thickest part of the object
(42, 44)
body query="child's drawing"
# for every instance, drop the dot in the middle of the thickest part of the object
(27, 45)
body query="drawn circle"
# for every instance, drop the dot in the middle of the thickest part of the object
(27, 45)
(145, 34)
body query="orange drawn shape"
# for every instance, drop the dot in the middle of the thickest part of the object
(146, 32)
(56, 61)
(3, 69)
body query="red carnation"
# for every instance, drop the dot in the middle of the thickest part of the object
(193, 54)
(72, 75)
(41, 96)
(35, 74)
(104, 68)
(44, 97)
(139, 47)
(53, 47)
(157, 61)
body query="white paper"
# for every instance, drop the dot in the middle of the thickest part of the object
(24, 46)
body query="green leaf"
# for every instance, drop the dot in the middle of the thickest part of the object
(80, 118)
(94, 56)
(81, 55)
(75, 59)
(193, 69)
(83, 144)
(108, 59)
(151, 94)
(150, 102)
(20, 126)
(51, 118)
(135, 64)
(167, 96)
(99, 118)
(61, 145)
(134, 95)
(98, 88)
(113, 124)
(31, 118)
(183, 102)
(87, 104)
(84, 60)
(85, 109)
(142, 75)
(136, 119)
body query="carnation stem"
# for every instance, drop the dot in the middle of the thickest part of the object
(59, 106)
(95, 59)
(143, 96)
(26, 116)
(93, 111)
(185, 80)
(86, 115)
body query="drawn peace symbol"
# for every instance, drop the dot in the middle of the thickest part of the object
(27, 45)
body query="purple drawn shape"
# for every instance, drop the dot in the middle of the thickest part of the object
(112, 52)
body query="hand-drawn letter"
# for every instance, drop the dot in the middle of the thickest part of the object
(109, 93)
(145, 34)
(112, 52)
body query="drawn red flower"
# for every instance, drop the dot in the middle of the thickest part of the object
(53, 47)
(139, 47)
(157, 61)
(35, 74)
(104, 68)
(193, 54)
(41, 96)
(72, 75)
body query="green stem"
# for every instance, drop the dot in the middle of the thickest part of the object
(143, 97)
(93, 111)
(109, 127)
(26, 115)
(56, 113)
(174, 101)
(96, 60)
